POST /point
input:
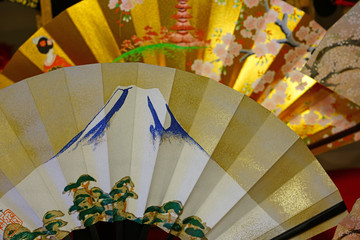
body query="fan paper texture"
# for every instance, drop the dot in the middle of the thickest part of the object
(336, 62)
(151, 136)
(349, 227)
(254, 46)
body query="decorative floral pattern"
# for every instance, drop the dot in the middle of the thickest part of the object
(124, 7)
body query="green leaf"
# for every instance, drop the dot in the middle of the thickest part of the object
(176, 227)
(56, 224)
(115, 191)
(85, 178)
(168, 225)
(107, 201)
(93, 210)
(195, 232)
(173, 205)
(89, 221)
(193, 221)
(156, 209)
(52, 226)
(71, 186)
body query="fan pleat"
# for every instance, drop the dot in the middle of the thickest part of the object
(101, 42)
(20, 67)
(67, 37)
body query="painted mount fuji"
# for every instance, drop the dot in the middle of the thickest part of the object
(134, 142)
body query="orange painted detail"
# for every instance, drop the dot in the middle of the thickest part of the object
(7, 217)
(59, 62)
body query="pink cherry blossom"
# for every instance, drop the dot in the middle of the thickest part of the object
(127, 5)
(301, 50)
(202, 68)
(260, 37)
(112, 4)
(340, 124)
(138, 1)
(302, 33)
(251, 3)
(273, 47)
(214, 76)
(311, 118)
(315, 26)
(329, 100)
(286, 8)
(296, 120)
(258, 85)
(250, 23)
(324, 121)
(228, 60)
(228, 39)
(220, 51)
(269, 76)
(260, 50)
(281, 86)
(301, 86)
(290, 56)
(299, 63)
(295, 76)
(207, 68)
(260, 23)
(269, 104)
(357, 136)
(324, 109)
(276, 2)
(245, 33)
(235, 48)
(286, 68)
(271, 16)
(279, 97)
(196, 66)
(312, 38)
(327, 110)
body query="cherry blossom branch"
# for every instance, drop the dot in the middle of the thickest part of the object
(355, 231)
(248, 53)
(266, 4)
(325, 79)
(349, 42)
(288, 34)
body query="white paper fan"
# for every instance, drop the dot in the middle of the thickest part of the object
(179, 137)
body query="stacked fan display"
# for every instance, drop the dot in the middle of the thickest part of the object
(254, 46)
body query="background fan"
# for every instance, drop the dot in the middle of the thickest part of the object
(340, 73)
(252, 176)
(252, 46)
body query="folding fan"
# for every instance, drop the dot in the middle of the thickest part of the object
(253, 46)
(336, 61)
(158, 146)
(349, 227)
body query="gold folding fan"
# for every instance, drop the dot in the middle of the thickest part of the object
(166, 148)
